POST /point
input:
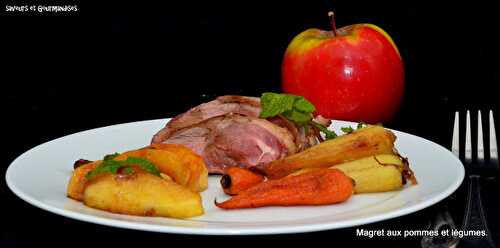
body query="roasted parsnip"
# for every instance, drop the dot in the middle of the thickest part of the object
(378, 173)
(368, 141)
(377, 179)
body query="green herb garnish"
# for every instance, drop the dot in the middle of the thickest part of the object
(274, 104)
(347, 130)
(111, 156)
(361, 125)
(303, 105)
(298, 110)
(109, 165)
(295, 108)
(328, 134)
(144, 164)
(128, 170)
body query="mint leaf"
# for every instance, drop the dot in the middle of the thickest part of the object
(361, 125)
(347, 130)
(303, 105)
(111, 156)
(112, 166)
(107, 166)
(300, 118)
(143, 163)
(294, 108)
(328, 134)
(274, 104)
(128, 170)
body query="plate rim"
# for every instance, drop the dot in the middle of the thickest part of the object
(261, 230)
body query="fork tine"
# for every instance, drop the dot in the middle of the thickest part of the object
(493, 140)
(480, 146)
(468, 145)
(455, 147)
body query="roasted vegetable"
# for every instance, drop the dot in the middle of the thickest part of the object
(370, 162)
(371, 140)
(141, 193)
(318, 187)
(378, 173)
(377, 179)
(236, 179)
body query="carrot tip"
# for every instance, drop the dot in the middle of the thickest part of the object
(225, 181)
(217, 203)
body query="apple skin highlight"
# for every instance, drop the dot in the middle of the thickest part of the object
(356, 75)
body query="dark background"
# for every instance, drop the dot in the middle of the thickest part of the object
(118, 62)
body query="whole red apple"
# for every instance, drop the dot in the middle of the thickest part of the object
(352, 73)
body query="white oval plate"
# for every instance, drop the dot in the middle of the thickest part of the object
(40, 175)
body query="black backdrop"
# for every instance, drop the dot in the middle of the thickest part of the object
(118, 62)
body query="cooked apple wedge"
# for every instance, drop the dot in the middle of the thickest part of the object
(76, 184)
(141, 193)
(177, 162)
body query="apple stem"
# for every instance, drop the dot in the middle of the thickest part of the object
(332, 22)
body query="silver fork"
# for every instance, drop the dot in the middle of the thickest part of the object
(443, 220)
(475, 216)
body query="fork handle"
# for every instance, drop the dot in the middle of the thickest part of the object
(442, 220)
(474, 217)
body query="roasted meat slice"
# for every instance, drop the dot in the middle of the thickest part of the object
(247, 142)
(227, 132)
(196, 136)
(235, 140)
(243, 105)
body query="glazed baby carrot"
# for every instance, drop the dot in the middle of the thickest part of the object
(318, 187)
(237, 179)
